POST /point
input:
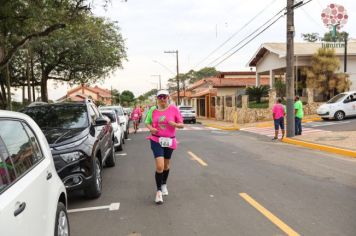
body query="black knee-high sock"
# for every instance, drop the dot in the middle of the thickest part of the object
(165, 176)
(159, 179)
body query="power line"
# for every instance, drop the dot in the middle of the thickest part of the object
(248, 36)
(248, 41)
(237, 32)
(297, 5)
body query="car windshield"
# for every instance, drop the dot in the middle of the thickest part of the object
(337, 98)
(119, 110)
(61, 117)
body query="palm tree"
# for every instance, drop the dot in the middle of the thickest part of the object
(256, 93)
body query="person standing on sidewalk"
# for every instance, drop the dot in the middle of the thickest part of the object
(278, 117)
(298, 107)
(162, 122)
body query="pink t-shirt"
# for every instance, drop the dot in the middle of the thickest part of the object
(278, 111)
(135, 115)
(160, 121)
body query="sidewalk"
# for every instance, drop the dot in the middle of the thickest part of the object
(230, 126)
(335, 142)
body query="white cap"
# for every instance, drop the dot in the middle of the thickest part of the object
(162, 92)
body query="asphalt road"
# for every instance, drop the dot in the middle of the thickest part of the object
(296, 190)
(348, 124)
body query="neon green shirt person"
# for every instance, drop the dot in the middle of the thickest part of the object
(298, 106)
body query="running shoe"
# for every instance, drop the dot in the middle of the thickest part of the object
(164, 190)
(159, 198)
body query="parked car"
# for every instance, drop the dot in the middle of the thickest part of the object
(81, 140)
(339, 107)
(122, 116)
(116, 125)
(128, 111)
(188, 114)
(33, 199)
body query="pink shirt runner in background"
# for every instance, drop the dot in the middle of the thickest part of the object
(278, 111)
(136, 113)
(160, 121)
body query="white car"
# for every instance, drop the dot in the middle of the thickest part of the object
(116, 125)
(33, 199)
(188, 114)
(339, 107)
(122, 116)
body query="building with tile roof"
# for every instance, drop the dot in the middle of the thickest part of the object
(82, 92)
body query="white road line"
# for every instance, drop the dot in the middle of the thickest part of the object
(211, 128)
(112, 207)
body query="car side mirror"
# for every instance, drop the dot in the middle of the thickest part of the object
(125, 113)
(100, 121)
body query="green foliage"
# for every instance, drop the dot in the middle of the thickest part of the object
(127, 98)
(256, 105)
(115, 96)
(340, 37)
(191, 77)
(256, 93)
(280, 87)
(321, 74)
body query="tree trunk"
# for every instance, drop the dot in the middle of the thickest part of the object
(3, 95)
(44, 91)
(23, 94)
(32, 77)
(8, 87)
(310, 95)
(28, 77)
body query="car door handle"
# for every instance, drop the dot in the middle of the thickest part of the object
(49, 175)
(20, 209)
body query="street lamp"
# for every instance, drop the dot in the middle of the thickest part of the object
(176, 52)
(159, 80)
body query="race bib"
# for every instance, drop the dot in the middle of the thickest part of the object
(165, 142)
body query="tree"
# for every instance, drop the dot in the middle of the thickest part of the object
(83, 52)
(280, 87)
(127, 98)
(256, 93)
(22, 21)
(328, 37)
(190, 77)
(115, 96)
(321, 74)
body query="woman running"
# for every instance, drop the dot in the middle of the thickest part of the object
(162, 122)
(135, 117)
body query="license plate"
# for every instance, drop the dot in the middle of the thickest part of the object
(165, 142)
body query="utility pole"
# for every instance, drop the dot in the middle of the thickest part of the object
(178, 96)
(290, 69)
(159, 81)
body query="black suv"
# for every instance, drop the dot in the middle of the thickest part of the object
(81, 141)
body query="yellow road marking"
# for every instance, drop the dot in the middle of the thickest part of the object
(274, 219)
(197, 159)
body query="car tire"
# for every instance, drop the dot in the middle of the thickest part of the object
(61, 227)
(194, 121)
(339, 115)
(120, 148)
(110, 161)
(123, 140)
(95, 187)
(126, 135)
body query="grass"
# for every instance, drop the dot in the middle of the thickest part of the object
(256, 105)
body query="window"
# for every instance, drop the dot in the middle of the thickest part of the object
(19, 151)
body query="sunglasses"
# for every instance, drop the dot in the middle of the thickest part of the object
(161, 97)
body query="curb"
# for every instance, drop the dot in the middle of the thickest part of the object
(222, 127)
(271, 125)
(320, 147)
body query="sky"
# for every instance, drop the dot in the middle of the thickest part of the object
(196, 28)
